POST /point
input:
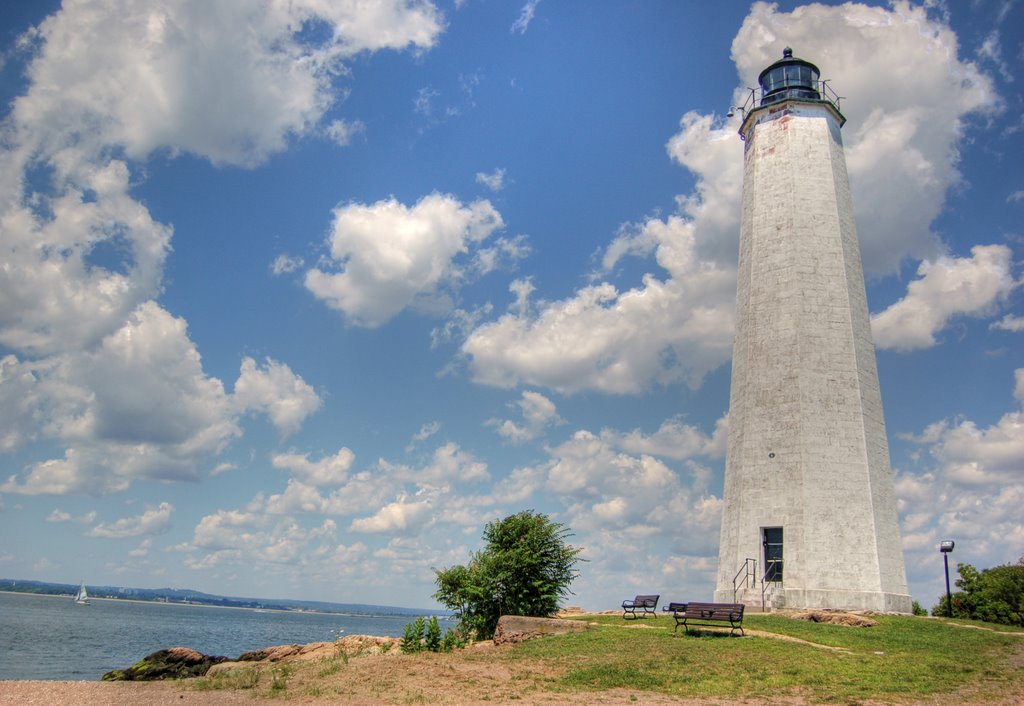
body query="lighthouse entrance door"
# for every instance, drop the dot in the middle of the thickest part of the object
(772, 540)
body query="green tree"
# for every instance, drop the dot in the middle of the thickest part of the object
(994, 595)
(525, 568)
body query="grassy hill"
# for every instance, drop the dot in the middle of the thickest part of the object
(901, 660)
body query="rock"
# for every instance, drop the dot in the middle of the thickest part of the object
(173, 663)
(181, 662)
(518, 628)
(350, 645)
(835, 618)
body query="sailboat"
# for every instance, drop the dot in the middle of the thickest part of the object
(82, 597)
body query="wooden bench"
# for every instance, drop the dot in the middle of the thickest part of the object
(645, 604)
(710, 615)
(674, 608)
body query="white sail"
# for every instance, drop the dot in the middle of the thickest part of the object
(82, 597)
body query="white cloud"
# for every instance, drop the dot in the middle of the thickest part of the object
(495, 181)
(330, 470)
(275, 390)
(240, 538)
(390, 255)
(909, 98)
(449, 464)
(398, 516)
(141, 406)
(522, 22)
(160, 83)
(673, 439)
(104, 370)
(285, 264)
(946, 288)
(913, 96)
(59, 515)
(664, 331)
(426, 431)
(341, 132)
(606, 491)
(1009, 323)
(54, 294)
(153, 521)
(538, 413)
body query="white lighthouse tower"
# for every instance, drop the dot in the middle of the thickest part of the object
(810, 508)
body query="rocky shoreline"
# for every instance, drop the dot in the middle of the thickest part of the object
(185, 663)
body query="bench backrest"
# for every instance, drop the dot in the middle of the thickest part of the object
(715, 611)
(651, 601)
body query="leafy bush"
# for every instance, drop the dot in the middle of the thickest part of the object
(423, 635)
(452, 641)
(995, 595)
(412, 639)
(525, 568)
(432, 637)
(916, 609)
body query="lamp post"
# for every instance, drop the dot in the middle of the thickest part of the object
(946, 546)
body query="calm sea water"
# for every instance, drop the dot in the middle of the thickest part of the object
(49, 637)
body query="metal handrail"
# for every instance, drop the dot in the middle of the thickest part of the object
(826, 91)
(765, 582)
(749, 570)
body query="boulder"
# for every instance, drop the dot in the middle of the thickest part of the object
(173, 663)
(852, 620)
(518, 628)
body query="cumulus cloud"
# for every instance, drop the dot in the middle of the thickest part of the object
(159, 83)
(59, 515)
(237, 538)
(153, 521)
(967, 483)
(616, 341)
(141, 406)
(1009, 323)
(400, 516)
(606, 490)
(93, 362)
(538, 412)
(913, 97)
(330, 470)
(673, 439)
(285, 264)
(495, 181)
(341, 132)
(385, 256)
(276, 391)
(946, 288)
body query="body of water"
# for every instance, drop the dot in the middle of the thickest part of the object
(49, 637)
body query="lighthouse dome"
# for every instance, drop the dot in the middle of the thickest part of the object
(789, 77)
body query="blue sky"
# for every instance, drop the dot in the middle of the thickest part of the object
(296, 296)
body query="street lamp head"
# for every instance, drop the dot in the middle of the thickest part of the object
(946, 546)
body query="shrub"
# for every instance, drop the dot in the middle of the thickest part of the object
(525, 568)
(995, 595)
(916, 609)
(432, 637)
(412, 639)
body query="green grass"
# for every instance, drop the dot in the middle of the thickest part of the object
(901, 658)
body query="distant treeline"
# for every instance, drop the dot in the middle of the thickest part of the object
(184, 595)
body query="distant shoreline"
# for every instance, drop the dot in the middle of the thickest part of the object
(191, 604)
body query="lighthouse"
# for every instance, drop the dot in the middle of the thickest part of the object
(809, 517)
